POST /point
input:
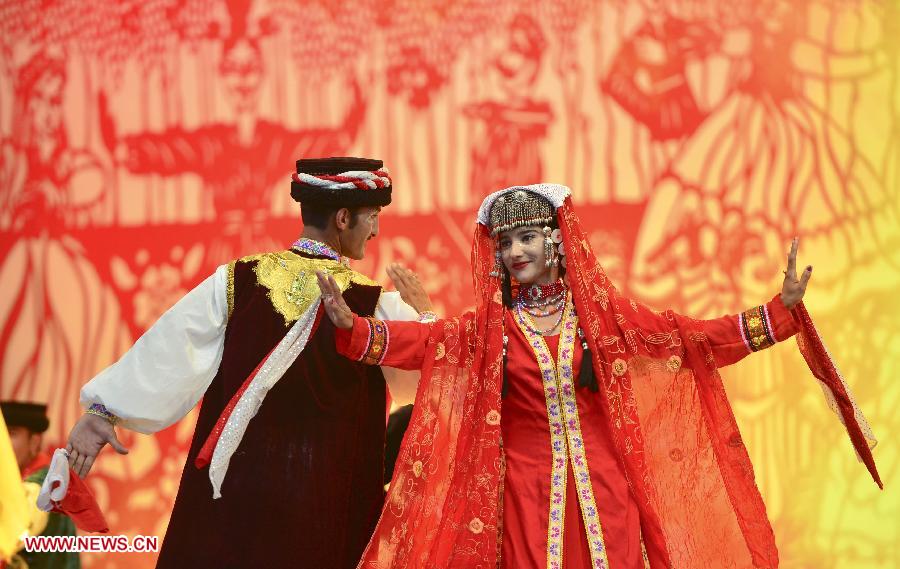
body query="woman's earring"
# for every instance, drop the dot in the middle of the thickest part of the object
(549, 249)
(560, 259)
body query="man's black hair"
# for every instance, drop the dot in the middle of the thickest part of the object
(318, 216)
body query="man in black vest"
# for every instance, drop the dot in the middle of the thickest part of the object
(298, 429)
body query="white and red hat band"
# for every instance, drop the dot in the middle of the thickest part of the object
(357, 179)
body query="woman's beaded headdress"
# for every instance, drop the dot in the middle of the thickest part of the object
(519, 208)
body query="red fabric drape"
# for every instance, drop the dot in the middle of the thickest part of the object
(664, 405)
(80, 505)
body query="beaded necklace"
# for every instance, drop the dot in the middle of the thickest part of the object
(527, 320)
(535, 293)
(540, 301)
(547, 309)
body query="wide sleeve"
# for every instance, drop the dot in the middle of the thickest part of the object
(384, 342)
(736, 336)
(169, 368)
(401, 383)
(391, 307)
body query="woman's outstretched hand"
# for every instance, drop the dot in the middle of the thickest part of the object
(333, 300)
(794, 288)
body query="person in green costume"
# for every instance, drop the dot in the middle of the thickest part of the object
(27, 423)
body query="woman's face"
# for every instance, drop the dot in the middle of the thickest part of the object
(523, 254)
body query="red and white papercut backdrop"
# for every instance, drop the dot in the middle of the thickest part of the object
(146, 142)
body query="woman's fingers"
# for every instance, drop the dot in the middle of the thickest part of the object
(333, 300)
(337, 296)
(804, 279)
(328, 297)
(402, 276)
(792, 259)
(327, 285)
(397, 275)
(323, 283)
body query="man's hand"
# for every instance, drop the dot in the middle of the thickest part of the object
(333, 300)
(411, 290)
(86, 439)
(794, 288)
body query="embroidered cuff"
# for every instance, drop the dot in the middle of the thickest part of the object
(427, 317)
(756, 329)
(377, 344)
(101, 411)
(781, 320)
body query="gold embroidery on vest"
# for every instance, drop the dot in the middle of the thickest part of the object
(291, 280)
(229, 288)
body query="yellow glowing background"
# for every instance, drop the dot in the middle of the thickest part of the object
(144, 143)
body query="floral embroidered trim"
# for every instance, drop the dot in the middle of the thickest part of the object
(578, 454)
(101, 411)
(556, 516)
(500, 491)
(566, 437)
(378, 342)
(756, 330)
(769, 322)
(313, 247)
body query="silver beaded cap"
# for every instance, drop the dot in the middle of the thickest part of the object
(519, 208)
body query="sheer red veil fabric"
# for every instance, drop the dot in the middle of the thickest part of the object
(663, 401)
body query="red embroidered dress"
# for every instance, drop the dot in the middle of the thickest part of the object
(565, 496)
(567, 476)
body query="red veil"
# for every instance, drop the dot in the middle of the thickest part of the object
(665, 406)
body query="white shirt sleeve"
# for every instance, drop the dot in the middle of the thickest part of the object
(391, 307)
(401, 383)
(163, 376)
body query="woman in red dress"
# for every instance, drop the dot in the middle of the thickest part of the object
(615, 446)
